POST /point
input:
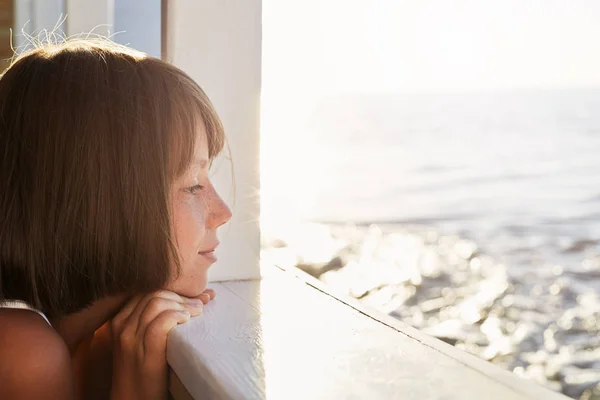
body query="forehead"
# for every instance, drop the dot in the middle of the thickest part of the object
(200, 156)
(189, 146)
(201, 142)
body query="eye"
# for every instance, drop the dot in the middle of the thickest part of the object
(194, 189)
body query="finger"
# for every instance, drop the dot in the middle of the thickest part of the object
(155, 335)
(204, 298)
(119, 319)
(154, 307)
(158, 305)
(141, 306)
(194, 306)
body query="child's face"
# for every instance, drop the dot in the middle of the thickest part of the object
(196, 213)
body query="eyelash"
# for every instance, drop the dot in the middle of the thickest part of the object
(193, 189)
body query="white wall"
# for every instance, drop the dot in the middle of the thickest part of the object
(35, 15)
(86, 16)
(219, 44)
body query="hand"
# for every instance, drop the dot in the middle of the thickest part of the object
(139, 336)
(207, 296)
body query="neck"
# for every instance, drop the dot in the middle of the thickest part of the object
(75, 328)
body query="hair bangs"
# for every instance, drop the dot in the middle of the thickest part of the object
(189, 110)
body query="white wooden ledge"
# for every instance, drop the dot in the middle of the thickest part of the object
(285, 337)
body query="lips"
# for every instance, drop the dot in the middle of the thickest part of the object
(209, 254)
(210, 249)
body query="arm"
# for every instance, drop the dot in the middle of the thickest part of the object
(34, 360)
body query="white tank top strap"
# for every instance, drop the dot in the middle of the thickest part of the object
(22, 305)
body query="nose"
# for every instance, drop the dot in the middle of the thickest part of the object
(219, 212)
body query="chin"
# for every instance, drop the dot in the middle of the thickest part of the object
(189, 286)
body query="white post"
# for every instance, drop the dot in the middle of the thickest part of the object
(85, 16)
(219, 44)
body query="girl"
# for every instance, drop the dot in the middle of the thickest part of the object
(108, 219)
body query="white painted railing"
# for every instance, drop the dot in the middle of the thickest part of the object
(287, 337)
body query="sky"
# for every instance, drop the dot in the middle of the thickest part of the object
(332, 46)
(317, 48)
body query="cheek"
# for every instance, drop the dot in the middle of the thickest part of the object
(190, 226)
(189, 230)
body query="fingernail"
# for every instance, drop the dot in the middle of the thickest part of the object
(195, 302)
(185, 313)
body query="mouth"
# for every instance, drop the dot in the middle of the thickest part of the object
(209, 253)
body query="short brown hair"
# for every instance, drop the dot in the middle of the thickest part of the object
(91, 136)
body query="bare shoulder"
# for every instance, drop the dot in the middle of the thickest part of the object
(34, 360)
